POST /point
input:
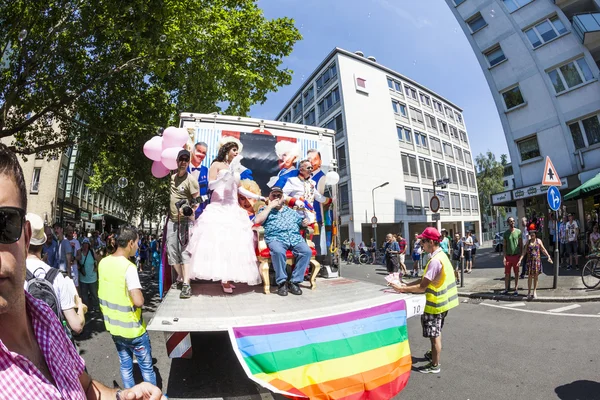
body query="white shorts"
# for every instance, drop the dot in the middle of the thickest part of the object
(402, 258)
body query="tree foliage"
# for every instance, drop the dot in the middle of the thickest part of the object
(107, 74)
(490, 174)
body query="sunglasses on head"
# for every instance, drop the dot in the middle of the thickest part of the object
(11, 224)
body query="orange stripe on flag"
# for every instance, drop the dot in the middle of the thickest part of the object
(384, 392)
(367, 380)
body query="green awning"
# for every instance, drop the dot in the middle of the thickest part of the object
(589, 187)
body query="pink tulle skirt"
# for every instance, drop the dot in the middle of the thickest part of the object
(222, 246)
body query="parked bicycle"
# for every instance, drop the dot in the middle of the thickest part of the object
(367, 257)
(590, 274)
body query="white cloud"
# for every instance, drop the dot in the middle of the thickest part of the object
(417, 21)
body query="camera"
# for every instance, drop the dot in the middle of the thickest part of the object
(186, 206)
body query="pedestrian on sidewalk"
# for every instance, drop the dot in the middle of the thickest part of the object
(513, 248)
(562, 240)
(402, 254)
(390, 251)
(552, 232)
(445, 243)
(440, 292)
(524, 238)
(594, 239)
(416, 255)
(457, 255)
(572, 228)
(474, 249)
(533, 250)
(468, 251)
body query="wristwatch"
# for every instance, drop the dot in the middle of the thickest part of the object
(118, 395)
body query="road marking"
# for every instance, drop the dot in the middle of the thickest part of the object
(565, 308)
(511, 305)
(543, 312)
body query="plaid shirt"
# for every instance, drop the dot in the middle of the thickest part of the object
(19, 377)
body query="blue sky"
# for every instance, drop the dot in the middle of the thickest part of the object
(418, 38)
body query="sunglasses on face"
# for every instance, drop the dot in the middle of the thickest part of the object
(184, 159)
(276, 196)
(11, 224)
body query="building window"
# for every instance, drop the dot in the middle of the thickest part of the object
(336, 124)
(409, 165)
(421, 140)
(76, 189)
(570, 75)
(513, 98)
(35, 182)
(413, 200)
(449, 113)
(455, 202)
(545, 31)
(326, 77)
(399, 108)
(344, 198)
(310, 117)
(495, 56)
(458, 154)
(287, 117)
(452, 175)
(425, 99)
(404, 134)
(436, 145)
(410, 92)
(459, 118)
(463, 136)
(458, 2)
(61, 178)
(505, 183)
(586, 132)
(462, 177)
(466, 202)
(426, 168)
(341, 158)
(475, 204)
(444, 200)
(443, 127)
(471, 179)
(476, 22)
(440, 170)
(427, 195)
(430, 121)
(308, 96)
(416, 115)
(438, 106)
(394, 85)
(454, 132)
(390, 83)
(513, 5)
(468, 158)
(448, 150)
(328, 102)
(528, 148)
(297, 109)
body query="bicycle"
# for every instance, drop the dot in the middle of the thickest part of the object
(352, 258)
(590, 274)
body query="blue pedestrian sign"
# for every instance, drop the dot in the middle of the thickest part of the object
(554, 198)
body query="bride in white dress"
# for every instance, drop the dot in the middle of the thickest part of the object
(222, 242)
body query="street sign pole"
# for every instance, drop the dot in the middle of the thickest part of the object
(556, 256)
(554, 201)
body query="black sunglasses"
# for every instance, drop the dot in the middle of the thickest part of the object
(184, 159)
(11, 224)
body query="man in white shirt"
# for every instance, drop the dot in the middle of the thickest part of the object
(572, 229)
(70, 303)
(76, 251)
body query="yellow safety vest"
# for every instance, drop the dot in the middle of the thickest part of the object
(444, 296)
(121, 317)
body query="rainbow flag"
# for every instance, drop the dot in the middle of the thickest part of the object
(362, 354)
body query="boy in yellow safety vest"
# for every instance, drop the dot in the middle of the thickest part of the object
(439, 286)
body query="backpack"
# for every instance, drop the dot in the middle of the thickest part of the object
(42, 289)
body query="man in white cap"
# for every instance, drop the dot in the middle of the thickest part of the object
(71, 306)
(439, 286)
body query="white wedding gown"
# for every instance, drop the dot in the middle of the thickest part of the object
(222, 241)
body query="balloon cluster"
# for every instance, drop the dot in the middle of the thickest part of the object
(163, 150)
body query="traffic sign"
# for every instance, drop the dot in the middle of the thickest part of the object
(550, 176)
(554, 198)
(434, 204)
(436, 216)
(374, 220)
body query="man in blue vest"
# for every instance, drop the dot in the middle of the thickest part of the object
(318, 177)
(439, 285)
(287, 155)
(200, 172)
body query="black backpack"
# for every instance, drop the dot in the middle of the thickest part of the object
(42, 289)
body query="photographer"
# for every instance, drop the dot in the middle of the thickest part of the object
(184, 190)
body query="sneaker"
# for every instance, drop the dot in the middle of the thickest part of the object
(505, 293)
(521, 276)
(429, 369)
(569, 267)
(186, 291)
(282, 289)
(295, 289)
(428, 356)
(516, 293)
(177, 285)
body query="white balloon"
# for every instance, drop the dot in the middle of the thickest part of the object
(169, 157)
(332, 178)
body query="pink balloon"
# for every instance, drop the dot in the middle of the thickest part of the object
(153, 148)
(169, 157)
(159, 170)
(174, 137)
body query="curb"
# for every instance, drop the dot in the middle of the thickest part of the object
(557, 299)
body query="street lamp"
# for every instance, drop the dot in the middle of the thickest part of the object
(373, 198)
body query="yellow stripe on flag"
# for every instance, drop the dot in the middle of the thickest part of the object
(337, 368)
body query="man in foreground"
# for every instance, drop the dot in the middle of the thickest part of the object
(282, 233)
(439, 286)
(38, 360)
(512, 246)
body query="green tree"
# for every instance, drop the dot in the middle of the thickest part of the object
(490, 173)
(107, 74)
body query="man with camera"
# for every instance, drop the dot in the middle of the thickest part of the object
(184, 190)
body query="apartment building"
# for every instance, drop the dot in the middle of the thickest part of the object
(394, 138)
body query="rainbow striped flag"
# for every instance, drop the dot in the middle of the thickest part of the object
(362, 354)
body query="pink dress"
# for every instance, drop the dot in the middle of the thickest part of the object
(222, 241)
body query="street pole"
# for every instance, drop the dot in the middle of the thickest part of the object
(556, 255)
(374, 215)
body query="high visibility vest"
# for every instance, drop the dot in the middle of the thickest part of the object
(121, 317)
(444, 296)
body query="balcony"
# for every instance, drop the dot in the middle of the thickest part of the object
(587, 28)
(572, 7)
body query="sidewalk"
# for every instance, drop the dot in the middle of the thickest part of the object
(487, 281)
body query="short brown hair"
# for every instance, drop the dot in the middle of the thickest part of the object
(10, 167)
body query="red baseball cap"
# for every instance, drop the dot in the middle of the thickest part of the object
(430, 233)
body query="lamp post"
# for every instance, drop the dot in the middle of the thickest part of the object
(374, 215)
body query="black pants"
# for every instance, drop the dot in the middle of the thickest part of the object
(392, 264)
(89, 294)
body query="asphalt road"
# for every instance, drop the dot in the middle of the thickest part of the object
(492, 350)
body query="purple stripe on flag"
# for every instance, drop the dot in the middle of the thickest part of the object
(399, 305)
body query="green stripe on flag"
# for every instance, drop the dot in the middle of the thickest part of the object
(295, 357)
